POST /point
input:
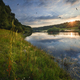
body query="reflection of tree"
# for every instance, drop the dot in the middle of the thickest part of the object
(79, 27)
(55, 33)
(79, 33)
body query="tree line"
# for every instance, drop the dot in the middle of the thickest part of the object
(67, 25)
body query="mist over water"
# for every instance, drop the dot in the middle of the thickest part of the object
(64, 46)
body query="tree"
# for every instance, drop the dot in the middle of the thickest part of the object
(6, 18)
(54, 29)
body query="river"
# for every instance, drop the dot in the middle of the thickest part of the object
(64, 46)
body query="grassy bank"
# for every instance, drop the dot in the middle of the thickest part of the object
(19, 60)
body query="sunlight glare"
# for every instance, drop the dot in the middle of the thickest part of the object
(71, 34)
(72, 20)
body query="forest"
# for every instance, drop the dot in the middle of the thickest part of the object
(7, 17)
(67, 25)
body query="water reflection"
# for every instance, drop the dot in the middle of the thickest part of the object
(64, 45)
(71, 34)
(79, 33)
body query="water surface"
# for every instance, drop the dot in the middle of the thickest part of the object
(65, 46)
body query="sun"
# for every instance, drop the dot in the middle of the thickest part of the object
(72, 20)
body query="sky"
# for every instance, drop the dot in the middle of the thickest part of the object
(39, 13)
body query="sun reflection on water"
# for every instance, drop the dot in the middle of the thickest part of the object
(71, 34)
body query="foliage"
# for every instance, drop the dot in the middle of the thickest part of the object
(19, 60)
(6, 18)
(67, 25)
(53, 30)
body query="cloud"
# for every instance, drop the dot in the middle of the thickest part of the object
(44, 12)
(39, 18)
(47, 17)
(71, 1)
(46, 22)
(28, 3)
(66, 16)
(42, 4)
(32, 3)
(39, 3)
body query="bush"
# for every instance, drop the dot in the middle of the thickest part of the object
(54, 29)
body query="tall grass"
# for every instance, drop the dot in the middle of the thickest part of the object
(19, 60)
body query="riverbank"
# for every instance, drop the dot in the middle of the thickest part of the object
(19, 60)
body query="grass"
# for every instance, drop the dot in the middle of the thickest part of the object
(19, 60)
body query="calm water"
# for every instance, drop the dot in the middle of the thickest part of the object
(65, 46)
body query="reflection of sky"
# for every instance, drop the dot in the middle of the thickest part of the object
(43, 36)
(63, 45)
(67, 42)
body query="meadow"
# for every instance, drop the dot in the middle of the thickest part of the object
(19, 60)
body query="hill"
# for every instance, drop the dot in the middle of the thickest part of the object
(67, 25)
(7, 17)
(19, 60)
